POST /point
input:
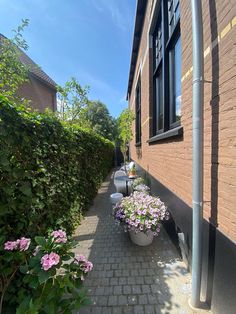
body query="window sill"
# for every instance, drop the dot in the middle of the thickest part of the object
(176, 132)
(138, 144)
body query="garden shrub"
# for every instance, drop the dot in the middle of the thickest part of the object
(42, 278)
(49, 172)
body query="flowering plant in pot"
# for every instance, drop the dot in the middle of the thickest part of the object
(51, 275)
(142, 188)
(132, 170)
(141, 214)
(138, 181)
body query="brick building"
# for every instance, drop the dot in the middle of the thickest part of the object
(39, 88)
(160, 94)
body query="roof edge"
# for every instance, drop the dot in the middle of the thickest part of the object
(138, 27)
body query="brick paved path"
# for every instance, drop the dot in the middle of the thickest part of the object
(127, 278)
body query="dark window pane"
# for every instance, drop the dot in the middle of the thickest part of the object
(138, 113)
(173, 14)
(159, 102)
(157, 44)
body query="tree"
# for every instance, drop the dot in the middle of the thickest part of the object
(97, 116)
(72, 98)
(13, 73)
(76, 108)
(125, 130)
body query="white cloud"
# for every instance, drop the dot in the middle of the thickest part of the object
(118, 14)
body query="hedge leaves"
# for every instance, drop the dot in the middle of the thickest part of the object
(49, 172)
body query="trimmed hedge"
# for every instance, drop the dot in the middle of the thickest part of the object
(49, 172)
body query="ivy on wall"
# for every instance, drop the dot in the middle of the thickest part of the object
(49, 171)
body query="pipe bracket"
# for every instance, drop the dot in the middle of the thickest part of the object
(198, 79)
(198, 203)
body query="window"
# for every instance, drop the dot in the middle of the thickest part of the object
(175, 83)
(138, 114)
(173, 14)
(166, 108)
(158, 109)
(157, 80)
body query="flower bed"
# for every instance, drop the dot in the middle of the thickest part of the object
(141, 212)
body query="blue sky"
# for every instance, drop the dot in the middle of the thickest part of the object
(88, 39)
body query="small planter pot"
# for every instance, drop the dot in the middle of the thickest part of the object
(141, 238)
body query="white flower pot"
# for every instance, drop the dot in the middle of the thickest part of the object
(141, 238)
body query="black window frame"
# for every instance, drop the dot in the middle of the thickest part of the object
(169, 39)
(157, 78)
(138, 125)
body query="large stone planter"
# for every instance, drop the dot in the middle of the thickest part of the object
(141, 238)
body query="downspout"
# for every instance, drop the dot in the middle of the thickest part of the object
(197, 168)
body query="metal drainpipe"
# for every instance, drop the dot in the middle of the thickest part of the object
(197, 168)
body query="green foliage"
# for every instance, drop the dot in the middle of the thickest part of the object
(76, 108)
(13, 73)
(138, 181)
(97, 117)
(49, 172)
(72, 99)
(125, 130)
(53, 286)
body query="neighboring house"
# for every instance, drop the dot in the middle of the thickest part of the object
(40, 88)
(160, 94)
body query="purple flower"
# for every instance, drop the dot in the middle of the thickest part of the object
(59, 236)
(87, 266)
(141, 212)
(80, 258)
(142, 188)
(23, 244)
(10, 245)
(49, 260)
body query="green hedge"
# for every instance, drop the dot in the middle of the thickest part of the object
(49, 172)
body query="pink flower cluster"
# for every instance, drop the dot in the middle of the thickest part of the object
(21, 244)
(49, 260)
(85, 265)
(59, 236)
(80, 258)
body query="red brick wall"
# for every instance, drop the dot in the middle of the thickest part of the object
(170, 161)
(40, 94)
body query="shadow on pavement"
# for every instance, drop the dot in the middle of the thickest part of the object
(127, 278)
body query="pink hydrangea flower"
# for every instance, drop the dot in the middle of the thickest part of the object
(59, 236)
(87, 266)
(10, 245)
(23, 243)
(49, 260)
(80, 258)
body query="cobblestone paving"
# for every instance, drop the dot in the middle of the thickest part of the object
(128, 278)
